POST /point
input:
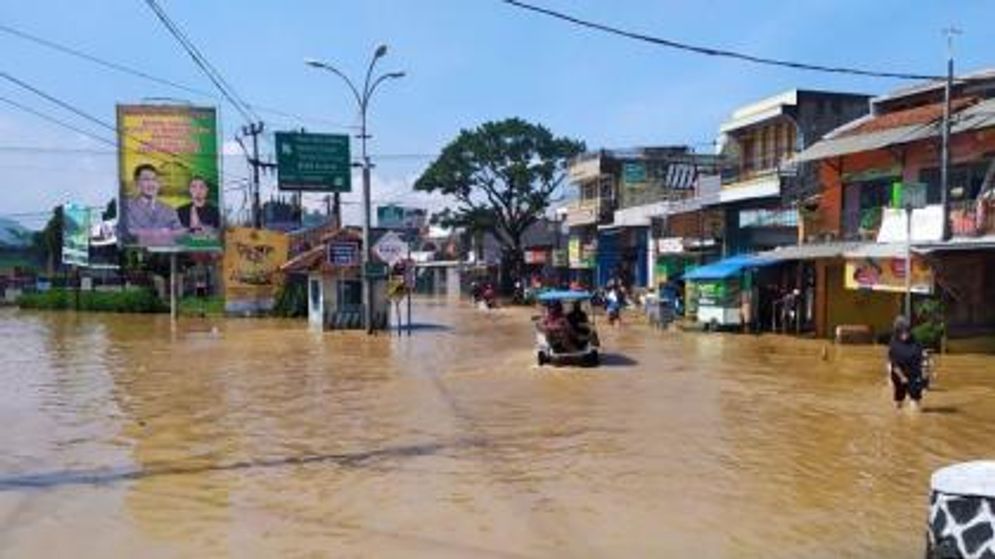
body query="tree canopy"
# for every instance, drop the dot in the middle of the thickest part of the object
(502, 176)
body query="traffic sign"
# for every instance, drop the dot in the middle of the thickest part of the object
(391, 248)
(315, 162)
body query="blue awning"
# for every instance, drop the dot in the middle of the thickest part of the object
(561, 295)
(728, 267)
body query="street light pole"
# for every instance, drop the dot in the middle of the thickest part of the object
(363, 101)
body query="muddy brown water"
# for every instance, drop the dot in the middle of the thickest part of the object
(257, 438)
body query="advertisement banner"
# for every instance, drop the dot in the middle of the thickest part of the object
(168, 170)
(887, 274)
(399, 217)
(75, 235)
(252, 263)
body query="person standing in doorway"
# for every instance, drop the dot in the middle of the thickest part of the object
(905, 365)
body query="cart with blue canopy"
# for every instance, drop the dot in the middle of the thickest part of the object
(566, 335)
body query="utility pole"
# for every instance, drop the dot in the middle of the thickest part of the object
(337, 210)
(945, 148)
(254, 129)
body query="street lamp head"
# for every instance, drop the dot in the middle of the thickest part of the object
(381, 51)
(395, 75)
(314, 63)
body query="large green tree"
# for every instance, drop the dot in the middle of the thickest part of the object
(503, 176)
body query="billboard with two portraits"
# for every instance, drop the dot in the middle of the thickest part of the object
(170, 196)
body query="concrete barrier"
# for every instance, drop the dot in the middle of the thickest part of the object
(962, 512)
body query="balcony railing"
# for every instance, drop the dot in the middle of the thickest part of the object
(972, 218)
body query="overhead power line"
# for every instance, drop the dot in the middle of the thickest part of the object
(709, 51)
(201, 61)
(125, 69)
(56, 121)
(161, 154)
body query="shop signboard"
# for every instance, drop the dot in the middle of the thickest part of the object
(579, 255)
(560, 258)
(393, 216)
(536, 256)
(343, 253)
(634, 173)
(251, 268)
(168, 169)
(888, 274)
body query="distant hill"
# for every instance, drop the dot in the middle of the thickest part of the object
(13, 234)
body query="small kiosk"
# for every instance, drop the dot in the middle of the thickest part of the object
(334, 283)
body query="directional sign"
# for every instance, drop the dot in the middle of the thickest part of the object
(391, 248)
(317, 162)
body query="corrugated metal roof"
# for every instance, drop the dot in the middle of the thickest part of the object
(986, 242)
(878, 250)
(812, 251)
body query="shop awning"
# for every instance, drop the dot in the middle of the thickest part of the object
(727, 267)
(986, 242)
(878, 250)
(813, 251)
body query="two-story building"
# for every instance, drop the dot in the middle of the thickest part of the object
(761, 186)
(620, 194)
(870, 169)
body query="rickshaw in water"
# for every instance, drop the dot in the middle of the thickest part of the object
(566, 335)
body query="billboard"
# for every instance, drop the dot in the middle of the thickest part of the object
(251, 267)
(399, 217)
(75, 235)
(168, 170)
(888, 274)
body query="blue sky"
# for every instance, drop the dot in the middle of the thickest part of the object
(467, 61)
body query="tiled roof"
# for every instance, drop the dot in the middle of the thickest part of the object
(909, 117)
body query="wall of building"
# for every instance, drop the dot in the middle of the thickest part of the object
(967, 280)
(912, 160)
(836, 305)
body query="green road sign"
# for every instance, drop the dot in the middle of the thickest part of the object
(376, 270)
(316, 162)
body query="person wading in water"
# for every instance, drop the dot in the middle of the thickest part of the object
(905, 364)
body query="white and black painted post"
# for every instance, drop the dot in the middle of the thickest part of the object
(962, 512)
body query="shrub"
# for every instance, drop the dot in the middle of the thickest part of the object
(291, 300)
(130, 301)
(930, 326)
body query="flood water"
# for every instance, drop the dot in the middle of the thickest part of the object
(257, 438)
